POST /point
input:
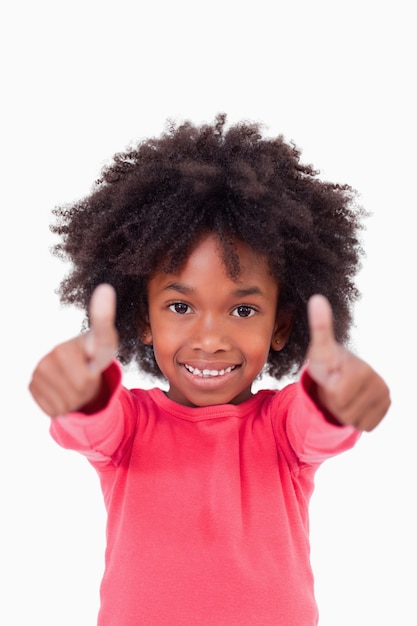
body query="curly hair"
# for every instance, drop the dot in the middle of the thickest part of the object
(153, 202)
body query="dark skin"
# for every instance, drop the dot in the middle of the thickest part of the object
(349, 390)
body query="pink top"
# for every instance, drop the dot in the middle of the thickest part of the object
(207, 507)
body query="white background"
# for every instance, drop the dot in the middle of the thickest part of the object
(80, 81)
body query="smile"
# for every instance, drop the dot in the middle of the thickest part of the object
(206, 373)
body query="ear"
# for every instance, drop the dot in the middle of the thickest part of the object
(145, 333)
(282, 330)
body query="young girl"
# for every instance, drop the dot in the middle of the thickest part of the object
(211, 243)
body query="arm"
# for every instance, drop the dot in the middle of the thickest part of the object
(347, 389)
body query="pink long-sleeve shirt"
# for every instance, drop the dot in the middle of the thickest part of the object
(207, 507)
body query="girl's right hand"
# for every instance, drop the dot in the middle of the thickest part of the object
(70, 376)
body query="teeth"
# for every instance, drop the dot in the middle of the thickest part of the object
(206, 373)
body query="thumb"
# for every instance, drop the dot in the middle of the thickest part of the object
(324, 354)
(101, 341)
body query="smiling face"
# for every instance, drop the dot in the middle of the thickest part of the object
(211, 335)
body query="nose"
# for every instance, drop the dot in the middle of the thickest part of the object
(209, 334)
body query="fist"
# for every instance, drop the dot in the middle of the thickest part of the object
(69, 377)
(346, 386)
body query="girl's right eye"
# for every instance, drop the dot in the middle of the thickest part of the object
(179, 307)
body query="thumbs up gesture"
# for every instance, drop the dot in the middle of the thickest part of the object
(69, 377)
(347, 387)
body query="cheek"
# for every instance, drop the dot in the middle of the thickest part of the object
(163, 357)
(166, 336)
(257, 345)
(165, 345)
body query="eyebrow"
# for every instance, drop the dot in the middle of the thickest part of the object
(238, 293)
(180, 287)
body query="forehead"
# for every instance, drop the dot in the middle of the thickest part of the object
(206, 264)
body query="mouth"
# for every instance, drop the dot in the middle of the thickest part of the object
(209, 373)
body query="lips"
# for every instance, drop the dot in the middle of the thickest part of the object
(209, 373)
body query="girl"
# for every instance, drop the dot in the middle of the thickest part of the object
(212, 244)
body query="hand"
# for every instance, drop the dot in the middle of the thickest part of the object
(346, 386)
(69, 377)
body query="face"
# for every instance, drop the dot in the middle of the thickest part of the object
(211, 335)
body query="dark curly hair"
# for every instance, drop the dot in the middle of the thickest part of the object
(153, 203)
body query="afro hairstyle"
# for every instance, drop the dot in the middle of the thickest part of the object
(154, 201)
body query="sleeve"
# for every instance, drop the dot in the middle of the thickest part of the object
(312, 435)
(102, 436)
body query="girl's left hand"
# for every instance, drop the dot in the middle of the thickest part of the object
(346, 386)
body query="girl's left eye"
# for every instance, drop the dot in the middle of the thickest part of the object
(243, 311)
(179, 307)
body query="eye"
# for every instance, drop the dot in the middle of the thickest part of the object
(243, 311)
(179, 307)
